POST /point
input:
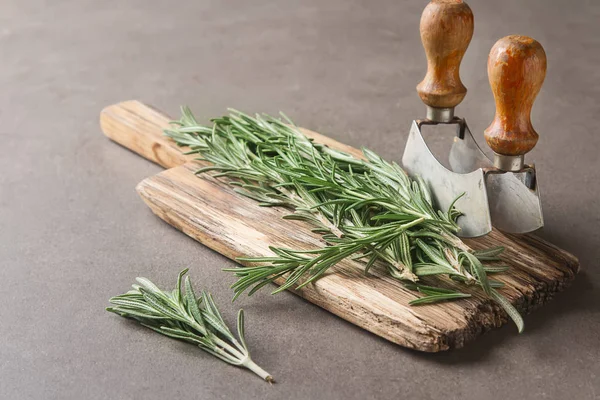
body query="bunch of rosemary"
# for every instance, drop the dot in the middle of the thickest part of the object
(181, 315)
(364, 208)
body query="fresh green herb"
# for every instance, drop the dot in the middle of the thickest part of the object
(364, 208)
(181, 315)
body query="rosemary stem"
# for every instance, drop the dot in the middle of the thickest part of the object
(180, 314)
(456, 241)
(233, 351)
(252, 366)
(322, 218)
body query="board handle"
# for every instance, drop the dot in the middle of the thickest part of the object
(139, 128)
(516, 70)
(446, 31)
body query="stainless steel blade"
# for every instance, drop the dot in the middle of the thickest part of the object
(446, 185)
(465, 154)
(514, 201)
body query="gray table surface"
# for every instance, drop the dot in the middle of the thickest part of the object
(73, 232)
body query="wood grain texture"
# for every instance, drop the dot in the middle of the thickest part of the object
(139, 128)
(209, 211)
(446, 31)
(516, 70)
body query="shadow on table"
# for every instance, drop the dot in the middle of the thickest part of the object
(578, 298)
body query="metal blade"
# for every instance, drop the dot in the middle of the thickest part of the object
(514, 207)
(447, 185)
(465, 154)
(514, 198)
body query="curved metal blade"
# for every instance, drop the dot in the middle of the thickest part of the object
(447, 185)
(465, 154)
(514, 198)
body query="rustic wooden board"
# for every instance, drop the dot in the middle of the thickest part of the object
(208, 210)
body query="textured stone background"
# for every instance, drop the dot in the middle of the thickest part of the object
(73, 232)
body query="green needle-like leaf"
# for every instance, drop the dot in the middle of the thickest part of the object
(364, 208)
(510, 310)
(181, 315)
(436, 298)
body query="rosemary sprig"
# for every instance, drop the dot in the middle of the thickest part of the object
(181, 315)
(364, 208)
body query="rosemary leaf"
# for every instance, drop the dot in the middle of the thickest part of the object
(181, 315)
(436, 298)
(364, 208)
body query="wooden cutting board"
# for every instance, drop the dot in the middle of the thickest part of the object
(209, 211)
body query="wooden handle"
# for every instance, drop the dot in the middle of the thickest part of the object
(446, 31)
(516, 69)
(139, 128)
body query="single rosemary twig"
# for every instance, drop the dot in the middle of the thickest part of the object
(364, 208)
(181, 315)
